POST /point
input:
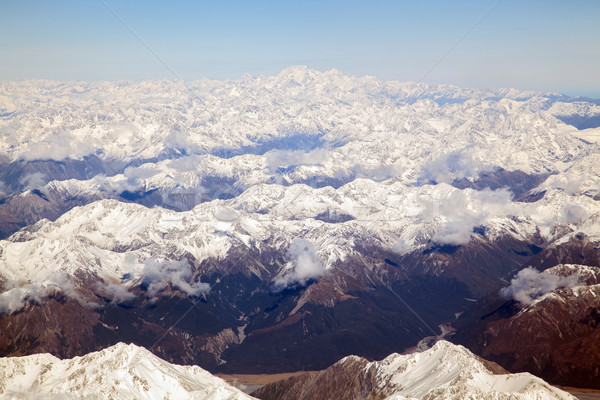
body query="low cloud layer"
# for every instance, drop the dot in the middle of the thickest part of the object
(133, 179)
(135, 175)
(285, 158)
(116, 293)
(35, 180)
(15, 299)
(530, 284)
(464, 210)
(306, 263)
(458, 164)
(57, 148)
(158, 275)
(573, 213)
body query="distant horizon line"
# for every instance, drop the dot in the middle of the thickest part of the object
(584, 95)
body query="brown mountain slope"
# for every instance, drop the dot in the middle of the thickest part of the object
(557, 337)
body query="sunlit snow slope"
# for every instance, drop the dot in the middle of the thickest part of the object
(118, 372)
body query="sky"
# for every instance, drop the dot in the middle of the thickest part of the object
(538, 45)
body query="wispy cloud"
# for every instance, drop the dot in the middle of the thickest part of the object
(530, 284)
(306, 265)
(285, 158)
(35, 180)
(15, 299)
(115, 292)
(460, 164)
(158, 275)
(57, 148)
(465, 209)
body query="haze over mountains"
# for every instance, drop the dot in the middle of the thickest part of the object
(297, 219)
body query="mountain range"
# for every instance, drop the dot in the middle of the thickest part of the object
(276, 224)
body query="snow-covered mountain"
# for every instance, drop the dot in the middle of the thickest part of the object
(157, 143)
(282, 213)
(300, 265)
(328, 124)
(445, 371)
(118, 372)
(109, 240)
(142, 120)
(131, 372)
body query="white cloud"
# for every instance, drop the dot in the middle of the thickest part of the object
(132, 179)
(454, 165)
(15, 299)
(285, 158)
(135, 174)
(57, 148)
(62, 282)
(530, 284)
(463, 210)
(306, 265)
(35, 180)
(115, 292)
(185, 164)
(572, 213)
(182, 141)
(158, 275)
(401, 246)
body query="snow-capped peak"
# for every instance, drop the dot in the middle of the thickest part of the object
(117, 372)
(445, 371)
(447, 368)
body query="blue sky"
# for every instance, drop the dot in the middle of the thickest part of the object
(540, 45)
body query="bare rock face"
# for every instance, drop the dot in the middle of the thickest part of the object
(442, 372)
(60, 326)
(343, 380)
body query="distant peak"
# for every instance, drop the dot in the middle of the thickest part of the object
(299, 73)
(292, 69)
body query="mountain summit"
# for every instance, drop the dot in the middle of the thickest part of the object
(118, 372)
(445, 371)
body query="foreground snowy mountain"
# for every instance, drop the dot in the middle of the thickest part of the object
(118, 372)
(130, 372)
(445, 371)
